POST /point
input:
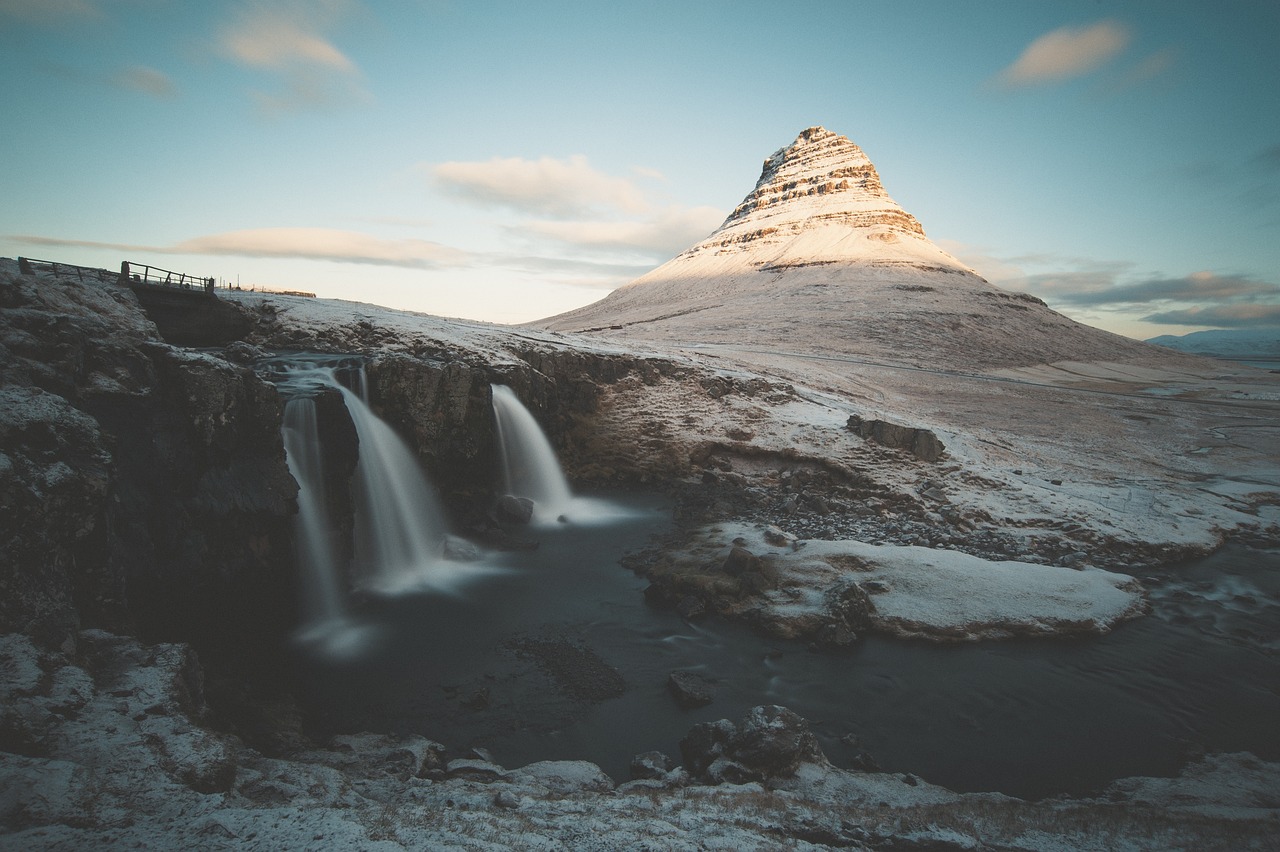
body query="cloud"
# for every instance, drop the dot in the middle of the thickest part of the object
(288, 39)
(301, 243)
(1065, 53)
(1196, 287)
(149, 81)
(1222, 316)
(666, 234)
(546, 186)
(265, 37)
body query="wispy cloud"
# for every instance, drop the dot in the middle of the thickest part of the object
(149, 81)
(1197, 287)
(546, 186)
(1221, 316)
(1093, 290)
(1066, 53)
(300, 243)
(290, 40)
(665, 234)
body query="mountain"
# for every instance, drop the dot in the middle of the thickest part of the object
(819, 259)
(1257, 344)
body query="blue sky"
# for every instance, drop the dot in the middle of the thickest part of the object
(510, 160)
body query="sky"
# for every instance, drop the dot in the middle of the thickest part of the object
(507, 161)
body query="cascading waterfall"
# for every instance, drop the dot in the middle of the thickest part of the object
(322, 599)
(400, 537)
(529, 465)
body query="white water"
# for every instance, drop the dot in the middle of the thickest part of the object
(529, 465)
(400, 534)
(322, 600)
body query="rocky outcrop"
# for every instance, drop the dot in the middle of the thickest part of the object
(921, 443)
(770, 742)
(143, 486)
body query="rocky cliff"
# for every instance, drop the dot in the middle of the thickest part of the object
(143, 486)
(819, 259)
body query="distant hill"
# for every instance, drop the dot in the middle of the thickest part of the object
(819, 259)
(1257, 344)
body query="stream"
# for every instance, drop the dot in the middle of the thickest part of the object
(1027, 718)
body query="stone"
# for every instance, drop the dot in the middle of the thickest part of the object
(651, 765)
(506, 799)
(770, 742)
(691, 607)
(778, 537)
(739, 561)
(691, 689)
(514, 510)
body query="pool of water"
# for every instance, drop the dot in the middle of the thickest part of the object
(1029, 718)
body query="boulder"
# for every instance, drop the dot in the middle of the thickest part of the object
(770, 742)
(651, 765)
(514, 510)
(691, 689)
(740, 561)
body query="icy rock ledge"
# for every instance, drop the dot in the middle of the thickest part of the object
(830, 591)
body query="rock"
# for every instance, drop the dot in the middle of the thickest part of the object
(922, 443)
(460, 550)
(564, 777)
(514, 510)
(778, 537)
(690, 607)
(770, 742)
(691, 689)
(506, 799)
(651, 765)
(739, 561)
(875, 587)
(481, 771)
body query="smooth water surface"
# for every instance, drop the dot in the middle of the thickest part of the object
(1030, 718)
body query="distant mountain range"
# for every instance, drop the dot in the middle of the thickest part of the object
(818, 259)
(1256, 344)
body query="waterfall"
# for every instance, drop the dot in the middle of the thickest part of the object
(529, 465)
(400, 536)
(322, 592)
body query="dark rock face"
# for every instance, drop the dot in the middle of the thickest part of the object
(143, 487)
(444, 410)
(770, 742)
(921, 443)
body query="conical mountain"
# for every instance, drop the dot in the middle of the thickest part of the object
(819, 259)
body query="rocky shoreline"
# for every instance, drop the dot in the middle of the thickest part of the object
(106, 747)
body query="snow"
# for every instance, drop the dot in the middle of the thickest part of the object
(942, 594)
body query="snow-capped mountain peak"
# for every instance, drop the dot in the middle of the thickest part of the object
(819, 258)
(820, 200)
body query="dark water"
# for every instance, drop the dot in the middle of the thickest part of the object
(1029, 718)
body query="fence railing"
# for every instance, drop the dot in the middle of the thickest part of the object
(28, 265)
(143, 273)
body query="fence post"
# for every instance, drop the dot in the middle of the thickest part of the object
(25, 267)
(124, 273)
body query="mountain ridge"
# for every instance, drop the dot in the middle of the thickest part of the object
(818, 258)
